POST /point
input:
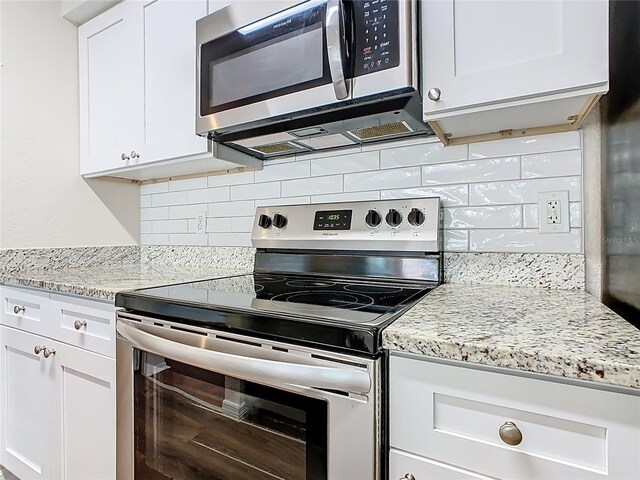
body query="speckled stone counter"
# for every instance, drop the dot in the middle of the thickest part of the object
(103, 282)
(556, 332)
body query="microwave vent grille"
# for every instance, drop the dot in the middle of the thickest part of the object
(381, 131)
(278, 148)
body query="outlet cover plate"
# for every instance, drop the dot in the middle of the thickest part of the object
(201, 226)
(553, 212)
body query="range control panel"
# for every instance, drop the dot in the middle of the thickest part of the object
(402, 225)
(377, 45)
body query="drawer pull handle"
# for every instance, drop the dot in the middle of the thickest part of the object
(47, 353)
(408, 476)
(510, 434)
(79, 324)
(37, 349)
(18, 309)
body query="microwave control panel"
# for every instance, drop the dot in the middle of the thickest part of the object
(377, 36)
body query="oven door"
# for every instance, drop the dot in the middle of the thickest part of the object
(199, 404)
(254, 66)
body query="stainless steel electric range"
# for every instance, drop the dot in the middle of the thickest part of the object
(278, 374)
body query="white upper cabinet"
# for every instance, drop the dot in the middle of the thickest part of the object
(491, 65)
(111, 104)
(137, 91)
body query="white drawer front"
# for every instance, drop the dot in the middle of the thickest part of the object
(25, 309)
(403, 465)
(453, 415)
(87, 324)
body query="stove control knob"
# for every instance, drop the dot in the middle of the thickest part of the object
(279, 221)
(415, 217)
(373, 218)
(264, 221)
(394, 218)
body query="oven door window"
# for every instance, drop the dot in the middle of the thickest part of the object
(191, 423)
(282, 54)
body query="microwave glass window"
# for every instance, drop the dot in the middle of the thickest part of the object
(282, 62)
(192, 424)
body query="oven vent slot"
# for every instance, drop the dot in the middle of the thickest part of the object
(237, 340)
(278, 148)
(186, 330)
(336, 360)
(381, 131)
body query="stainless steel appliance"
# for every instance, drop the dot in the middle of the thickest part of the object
(278, 373)
(288, 77)
(621, 164)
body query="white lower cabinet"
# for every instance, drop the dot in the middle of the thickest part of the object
(449, 421)
(57, 408)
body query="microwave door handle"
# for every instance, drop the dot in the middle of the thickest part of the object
(334, 48)
(252, 369)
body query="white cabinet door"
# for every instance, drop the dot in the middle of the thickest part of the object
(28, 423)
(170, 79)
(85, 403)
(484, 52)
(111, 84)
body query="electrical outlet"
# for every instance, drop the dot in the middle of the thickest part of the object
(553, 212)
(201, 224)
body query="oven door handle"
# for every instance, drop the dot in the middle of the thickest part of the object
(258, 370)
(333, 23)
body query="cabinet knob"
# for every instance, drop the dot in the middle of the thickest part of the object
(79, 324)
(408, 476)
(47, 353)
(124, 157)
(434, 94)
(510, 434)
(18, 309)
(37, 349)
(134, 154)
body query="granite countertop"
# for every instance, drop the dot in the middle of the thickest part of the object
(556, 332)
(103, 282)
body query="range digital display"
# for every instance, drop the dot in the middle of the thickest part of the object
(332, 220)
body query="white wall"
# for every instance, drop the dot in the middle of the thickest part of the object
(43, 201)
(489, 191)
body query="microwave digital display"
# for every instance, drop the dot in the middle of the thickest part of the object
(332, 220)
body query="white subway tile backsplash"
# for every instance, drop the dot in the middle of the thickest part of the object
(150, 188)
(154, 213)
(218, 225)
(450, 195)
(230, 239)
(186, 211)
(207, 195)
(472, 171)
(526, 145)
(421, 154)
(242, 224)
(377, 180)
(283, 171)
(346, 197)
(488, 190)
(509, 216)
(312, 186)
(231, 179)
(170, 226)
(165, 199)
(456, 240)
(231, 209)
(255, 191)
(522, 191)
(530, 215)
(187, 184)
(357, 162)
(555, 164)
(525, 241)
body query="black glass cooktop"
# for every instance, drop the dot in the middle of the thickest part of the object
(312, 309)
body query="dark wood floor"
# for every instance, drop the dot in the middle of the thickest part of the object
(183, 440)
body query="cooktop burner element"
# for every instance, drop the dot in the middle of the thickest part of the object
(328, 275)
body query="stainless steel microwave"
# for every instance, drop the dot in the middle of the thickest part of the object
(281, 77)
